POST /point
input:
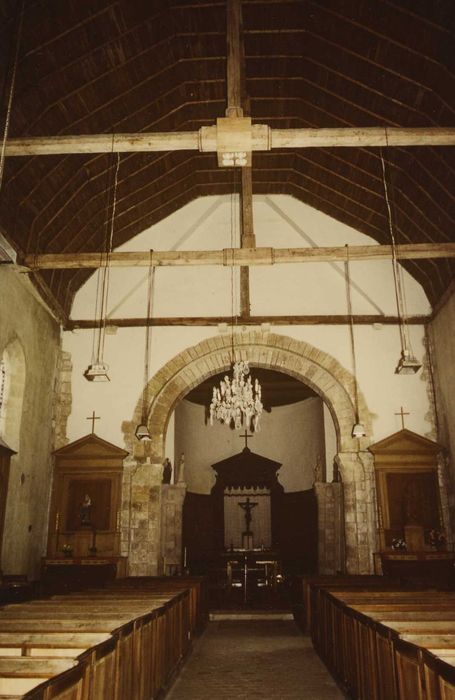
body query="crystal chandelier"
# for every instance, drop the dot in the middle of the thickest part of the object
(237, 402)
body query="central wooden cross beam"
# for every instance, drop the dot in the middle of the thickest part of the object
(263, 138)
(236, 256)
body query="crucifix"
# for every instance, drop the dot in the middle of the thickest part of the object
(93, 418)
(248, 507)
(402, 414)
(246, 436)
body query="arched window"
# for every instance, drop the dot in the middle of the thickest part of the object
(12, 385)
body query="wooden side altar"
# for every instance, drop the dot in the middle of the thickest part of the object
(84, 524)
(409, 510)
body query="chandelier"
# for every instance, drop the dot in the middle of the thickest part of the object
(237, 402)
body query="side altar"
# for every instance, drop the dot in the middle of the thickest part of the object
(84, 522)
(411, 533)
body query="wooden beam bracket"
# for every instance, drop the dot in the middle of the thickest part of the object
(233, 141)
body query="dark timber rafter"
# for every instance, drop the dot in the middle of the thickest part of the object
(237, 104)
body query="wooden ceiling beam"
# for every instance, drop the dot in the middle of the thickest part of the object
(236, 256)
(263, 139)
(304, 320)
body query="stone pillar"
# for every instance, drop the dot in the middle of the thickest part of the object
(141, 517)
(357, 474)
(330, 527)
(63, 398)
(172, 497)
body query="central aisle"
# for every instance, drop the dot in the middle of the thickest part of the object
(254, 659)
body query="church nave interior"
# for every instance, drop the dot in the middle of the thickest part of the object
(227, 349)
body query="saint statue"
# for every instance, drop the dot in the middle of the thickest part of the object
(167, 471)
(85, 511)
(318, 475)
(182, 469)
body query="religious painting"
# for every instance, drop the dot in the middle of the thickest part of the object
(413, 500)
(88, 504)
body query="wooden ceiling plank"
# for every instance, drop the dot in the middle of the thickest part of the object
(238, 256)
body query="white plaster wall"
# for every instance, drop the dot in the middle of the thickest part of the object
(24, 318)
(284, 289)
(292, 435)
(442, 337)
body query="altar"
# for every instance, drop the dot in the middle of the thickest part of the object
(247, 499)
(251, 569)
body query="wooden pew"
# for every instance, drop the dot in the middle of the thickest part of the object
(135, 640)
(19, 676)
(305, 588)
(364, 639)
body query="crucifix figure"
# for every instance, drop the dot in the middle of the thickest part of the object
(246, 436)
(402, 414)
(93, 418)
(248, 507)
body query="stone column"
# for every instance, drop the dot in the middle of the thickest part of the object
(330, 527)
(140, 520)
(356, 470)
(172, 497)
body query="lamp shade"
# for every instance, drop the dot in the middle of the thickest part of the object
(142, 433)
(97, 372)
(358, 430)
(408, 363)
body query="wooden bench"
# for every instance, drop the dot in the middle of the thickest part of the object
(117, 644)
(372, 641)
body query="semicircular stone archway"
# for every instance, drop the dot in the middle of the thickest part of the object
(314, 367)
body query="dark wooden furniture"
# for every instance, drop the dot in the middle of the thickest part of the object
(121, 643)
(430, 567)
(65, 574)
(389, 644)
(86, 500)
(246, 470)
(5, 459)
(409, 506)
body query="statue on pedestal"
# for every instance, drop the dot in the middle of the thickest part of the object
(167, 471)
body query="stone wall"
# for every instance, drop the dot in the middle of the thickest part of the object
(172, 497)
(441, 341)
(330, 528)
(25, 322)
(141, 517)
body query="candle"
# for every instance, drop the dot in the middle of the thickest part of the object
(184, 557)
(57, 518)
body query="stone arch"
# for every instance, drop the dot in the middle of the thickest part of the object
(316, 368)
(11, 413)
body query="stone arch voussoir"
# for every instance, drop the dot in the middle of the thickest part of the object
(316, 368)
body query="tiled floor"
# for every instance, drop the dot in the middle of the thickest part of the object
(254, 659)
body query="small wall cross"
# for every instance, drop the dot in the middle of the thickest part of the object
(93, 418)
(246, 436)
(402, 414)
